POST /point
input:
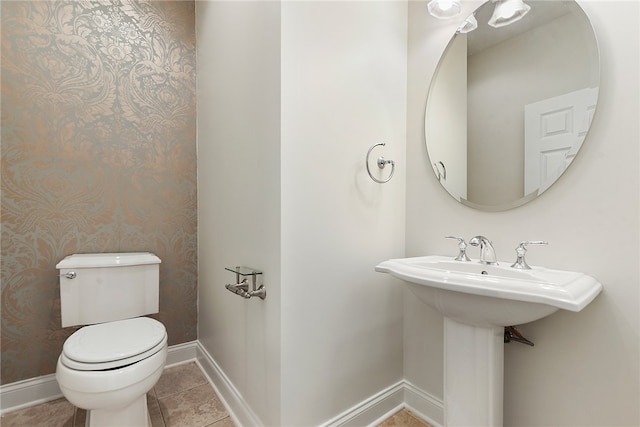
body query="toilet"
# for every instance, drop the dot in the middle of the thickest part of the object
(109, 366)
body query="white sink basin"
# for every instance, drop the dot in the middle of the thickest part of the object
(492, 295)
(477, 301)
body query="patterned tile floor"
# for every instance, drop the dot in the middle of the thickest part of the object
(182, 398)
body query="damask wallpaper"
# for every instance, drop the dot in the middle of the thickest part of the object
(98, 155)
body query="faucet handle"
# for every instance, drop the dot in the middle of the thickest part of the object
(462, 246)
(521, 250)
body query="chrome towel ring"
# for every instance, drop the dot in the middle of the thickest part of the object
(382, 162)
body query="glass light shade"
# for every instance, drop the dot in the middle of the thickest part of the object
(444, 9)
(468, 25)
(507, 12)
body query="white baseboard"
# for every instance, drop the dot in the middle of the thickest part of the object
(379, 407)
(424, 405)
(369, 412)
(34, 391)
(238, 408)
(372, 411)
(25, 393)
(181, 353)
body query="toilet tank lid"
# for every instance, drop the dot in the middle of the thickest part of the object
(108, 260)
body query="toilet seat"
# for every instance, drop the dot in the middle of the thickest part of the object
(114, 344)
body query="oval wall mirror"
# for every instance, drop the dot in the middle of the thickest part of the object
(509, 107)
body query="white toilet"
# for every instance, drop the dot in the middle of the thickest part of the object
(108, 368)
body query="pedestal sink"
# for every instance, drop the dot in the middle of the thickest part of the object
(477, 302)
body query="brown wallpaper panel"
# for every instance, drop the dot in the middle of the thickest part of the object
(98, 155)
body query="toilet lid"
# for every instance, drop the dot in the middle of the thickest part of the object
(113, 344)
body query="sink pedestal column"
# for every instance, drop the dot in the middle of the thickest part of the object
(473, 374)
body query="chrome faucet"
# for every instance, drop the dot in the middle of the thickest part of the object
(487, 253)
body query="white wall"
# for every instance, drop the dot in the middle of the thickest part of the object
(239, 193)
(584, 368)
(291, 96)
(343, 90)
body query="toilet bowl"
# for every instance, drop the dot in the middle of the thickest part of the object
(108, 368)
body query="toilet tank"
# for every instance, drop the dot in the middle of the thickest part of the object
(98, 288)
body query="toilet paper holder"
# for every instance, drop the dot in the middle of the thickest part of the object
(241, 287)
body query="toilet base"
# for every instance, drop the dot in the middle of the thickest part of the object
(134, 415)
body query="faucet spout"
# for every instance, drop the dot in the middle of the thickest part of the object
(487, 253)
